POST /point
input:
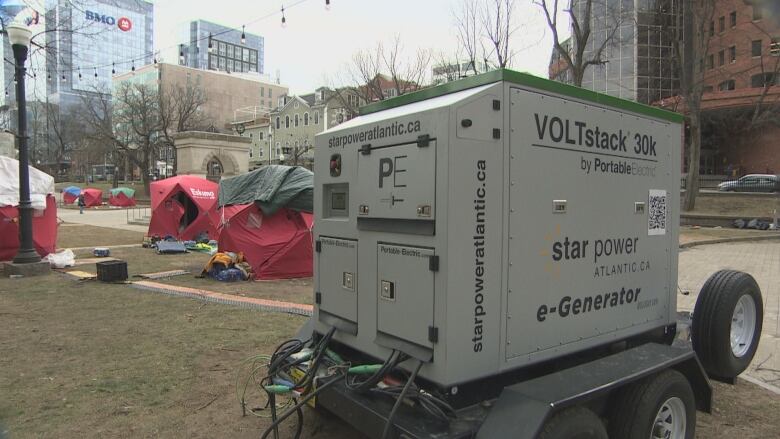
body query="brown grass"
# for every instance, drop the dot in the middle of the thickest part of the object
(81, 235)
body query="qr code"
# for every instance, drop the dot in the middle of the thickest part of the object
(656, 221)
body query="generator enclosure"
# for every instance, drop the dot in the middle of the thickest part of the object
(495, 223)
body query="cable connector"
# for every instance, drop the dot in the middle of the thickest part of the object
(334, 356)
(364, 369)
(277, 389)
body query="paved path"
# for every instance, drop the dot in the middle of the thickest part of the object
(762, 260)
(114, 218)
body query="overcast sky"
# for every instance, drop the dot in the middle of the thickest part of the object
(317, 43)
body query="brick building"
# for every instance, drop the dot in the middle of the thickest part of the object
(742, 80)
(741, 100)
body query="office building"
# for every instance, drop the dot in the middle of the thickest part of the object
(210, 46)
(88, 42)
(635, 60)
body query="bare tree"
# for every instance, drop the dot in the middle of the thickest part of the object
(584, 50)
(497, 23)
(139, 120)
(690, 43)
(180, 111)
(380, 73)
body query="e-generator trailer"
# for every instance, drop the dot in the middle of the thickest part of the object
(497, 258)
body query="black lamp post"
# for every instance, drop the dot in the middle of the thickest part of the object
(20, 36)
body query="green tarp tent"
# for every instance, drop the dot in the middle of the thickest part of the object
(271, 187)
(130, 193)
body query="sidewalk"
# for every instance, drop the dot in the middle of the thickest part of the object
(761, 259)
(116, 219)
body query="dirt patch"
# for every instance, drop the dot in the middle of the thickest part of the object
(746, 206)
(691, 233)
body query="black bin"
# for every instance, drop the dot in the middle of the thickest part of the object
(112, 271)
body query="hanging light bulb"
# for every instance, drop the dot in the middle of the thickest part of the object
(95, 72)
(113, 68)
(48, 77)
(243, 34)
(132, 69)
(79, 73)
(63, 77)
(284, 19)
(155, 60)
(6, 92)
(327, 5)
(181, 53)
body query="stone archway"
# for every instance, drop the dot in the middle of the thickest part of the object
(227, 164)
(212, 155)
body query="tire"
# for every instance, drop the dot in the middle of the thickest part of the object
(573, 423)
(729, 304)
(637, 408)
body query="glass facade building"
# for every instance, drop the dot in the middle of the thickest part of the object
(90, 42)
(637, 60)
(227, 54)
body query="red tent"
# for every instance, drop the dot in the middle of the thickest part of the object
(183, 207)
(277, 246)
(44, 230)
(92, 197)
(122, 197)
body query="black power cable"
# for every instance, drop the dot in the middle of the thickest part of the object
(297, 407)
(400, 399)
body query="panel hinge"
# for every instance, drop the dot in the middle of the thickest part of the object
(423, 140)
(318, 298)
(318, 246)
(433, 334)
(365, 149)
(433, 262)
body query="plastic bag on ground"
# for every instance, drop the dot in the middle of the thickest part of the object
(62, 259)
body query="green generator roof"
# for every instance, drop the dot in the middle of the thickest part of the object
(527, 80)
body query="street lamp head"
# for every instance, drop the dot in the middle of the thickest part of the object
(19, 34)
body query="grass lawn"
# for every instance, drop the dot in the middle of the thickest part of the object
(81, 235)
(101, 360)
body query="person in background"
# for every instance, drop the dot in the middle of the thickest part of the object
(81, 204)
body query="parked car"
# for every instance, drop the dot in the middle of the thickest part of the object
(752, 183)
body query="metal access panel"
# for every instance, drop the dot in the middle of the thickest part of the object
(405, 292)
(591, 251)
(397, 182)
(337, 268)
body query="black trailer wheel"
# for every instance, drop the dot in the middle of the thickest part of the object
(727, 322)
(574, 423)
(661, 406)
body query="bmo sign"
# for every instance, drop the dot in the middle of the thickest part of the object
(124, 24)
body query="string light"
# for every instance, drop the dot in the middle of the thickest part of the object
(211, 45)
(181, 46)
